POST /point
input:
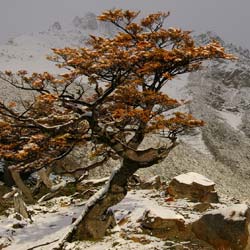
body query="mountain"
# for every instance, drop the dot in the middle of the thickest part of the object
(220, 95)
(29, 51)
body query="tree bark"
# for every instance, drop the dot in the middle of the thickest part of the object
(96, 218)
(44, 176)
(20, 206)
(8, 180)
(20, 184)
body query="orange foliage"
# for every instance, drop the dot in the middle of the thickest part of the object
(111, 91)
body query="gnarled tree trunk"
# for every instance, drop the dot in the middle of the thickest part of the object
(20, 184)
(95, 218)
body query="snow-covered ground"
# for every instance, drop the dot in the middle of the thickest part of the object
(51, 220)
(29, 52)
(196, 141)
(49, 224)
(234, 120)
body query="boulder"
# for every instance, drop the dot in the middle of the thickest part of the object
(152, 183)
(194, 187)
(164, 223)
(225, 228)
(202, 207)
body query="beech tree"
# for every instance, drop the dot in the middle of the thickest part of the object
(110, 95)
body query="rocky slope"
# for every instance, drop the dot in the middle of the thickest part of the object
(154, 215)
(221, 97)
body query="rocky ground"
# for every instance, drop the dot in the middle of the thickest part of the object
(154, 215)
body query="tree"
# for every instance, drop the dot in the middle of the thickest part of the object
(125, 75)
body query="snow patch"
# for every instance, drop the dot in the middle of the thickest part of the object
(47, 227)
(196, 141)
(193, 177)
(177, 88)
(164, 213)
(234, 120)
(236, 212)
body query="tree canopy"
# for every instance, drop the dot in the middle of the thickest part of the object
(111, 93)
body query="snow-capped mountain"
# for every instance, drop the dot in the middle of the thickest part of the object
(221, 96)
(29, 51)
(226, 86)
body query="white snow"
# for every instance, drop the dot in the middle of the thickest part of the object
(48, 225)
(94, 181)
(164, 213)
(234, 120)
(177, 88)
(196, 141)
(29, 52)
(136, 203)
(236, 212)
(52, 223)
(193, 177)
(53, 219)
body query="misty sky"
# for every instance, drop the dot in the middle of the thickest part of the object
(228, 18)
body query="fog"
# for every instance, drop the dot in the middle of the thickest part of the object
(228, 18)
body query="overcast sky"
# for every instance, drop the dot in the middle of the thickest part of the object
(228, 18)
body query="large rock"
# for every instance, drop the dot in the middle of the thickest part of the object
(164, 223)
(152, 183)
(193, 186)
(225, 228)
